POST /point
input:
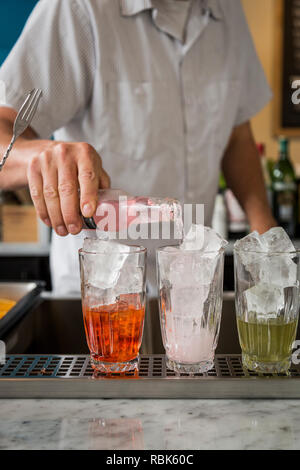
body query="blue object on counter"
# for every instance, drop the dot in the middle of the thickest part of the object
(13, 16)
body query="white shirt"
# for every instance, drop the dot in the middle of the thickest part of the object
(156, 86)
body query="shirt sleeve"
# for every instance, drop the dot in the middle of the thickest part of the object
(255, 91)
(55, 52)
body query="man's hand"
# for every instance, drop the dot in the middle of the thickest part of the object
(54, 171)
(242, 170)
(54, 177)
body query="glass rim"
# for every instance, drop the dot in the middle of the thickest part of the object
(161, 249)
(292, 252)
(136, 250)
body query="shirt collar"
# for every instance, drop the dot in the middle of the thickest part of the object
(133, 7)
(214, 8)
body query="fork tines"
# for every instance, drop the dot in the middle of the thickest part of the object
(30, 105)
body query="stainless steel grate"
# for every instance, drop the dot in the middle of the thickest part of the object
(150, 366)
(54, 376)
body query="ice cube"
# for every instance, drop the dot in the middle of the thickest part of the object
(267, 257)
(266, 301)
(213, 242)
(276, 240)
(250, 243)
(263, 301)
(164, 261)
(194, 239)
(190, 279)
(191, 273)
(249, 249)
(190, 268)
(95, 245)
(131, 278)
(188, 302)
(208, 243)
(279, 270)
(103, 272)
(202, 238)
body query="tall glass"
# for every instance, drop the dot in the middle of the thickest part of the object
(267, 308)
(190, 286)
(113, 303)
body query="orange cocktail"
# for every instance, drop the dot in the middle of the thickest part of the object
(113, 303)
(114, 332)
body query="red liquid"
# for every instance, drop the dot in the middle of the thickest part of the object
(114, 332)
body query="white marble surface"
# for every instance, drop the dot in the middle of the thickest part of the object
(149, 424)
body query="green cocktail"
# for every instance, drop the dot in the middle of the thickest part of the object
(267, 345)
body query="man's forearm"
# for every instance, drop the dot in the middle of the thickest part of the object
(243, 173)
(54, 172)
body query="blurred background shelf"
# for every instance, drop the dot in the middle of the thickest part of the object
(24, 249)
(25, 262)
(26, 266)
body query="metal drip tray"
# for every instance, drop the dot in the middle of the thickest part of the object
(71, 376)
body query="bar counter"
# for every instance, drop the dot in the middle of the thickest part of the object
(55, 326)
(150, 425)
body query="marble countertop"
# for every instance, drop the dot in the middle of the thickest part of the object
(149, 424)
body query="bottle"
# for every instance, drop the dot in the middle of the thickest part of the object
(222, 183)
(117, 211)
(285, 190)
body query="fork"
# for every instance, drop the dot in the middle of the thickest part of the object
(23, 119)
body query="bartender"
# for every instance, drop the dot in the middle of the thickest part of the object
(150, 96)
